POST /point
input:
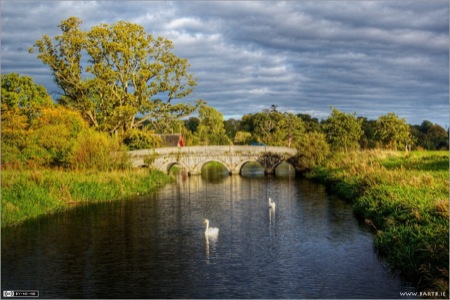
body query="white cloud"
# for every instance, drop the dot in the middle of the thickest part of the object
(365, 56)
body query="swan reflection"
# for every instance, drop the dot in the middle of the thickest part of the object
(210, 244)
(271, 218)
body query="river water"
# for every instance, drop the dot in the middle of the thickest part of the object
(154, 246)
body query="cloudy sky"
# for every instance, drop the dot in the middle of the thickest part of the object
(368, 57)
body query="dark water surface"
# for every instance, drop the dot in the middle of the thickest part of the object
(311, 246)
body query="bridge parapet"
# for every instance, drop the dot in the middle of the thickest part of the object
(194, 157)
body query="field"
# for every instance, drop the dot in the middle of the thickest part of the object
(27, 194)
(404, 198)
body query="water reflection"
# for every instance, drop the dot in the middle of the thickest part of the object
(155, 247)
(210, 245)
(214, 172)
(285, 170)
(271, 219)
(252, 170)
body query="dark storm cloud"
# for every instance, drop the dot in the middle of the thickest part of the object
(368, 57)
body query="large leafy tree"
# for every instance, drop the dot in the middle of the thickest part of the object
(292, 128)
(430, 136)
(342, 130)
(368, 139)
(311, 124)
(211, 129)
(23, 93)
(392, 131)
(21, 101)
(437, 137)
(274, 128)
(265, 126)
(114, 73)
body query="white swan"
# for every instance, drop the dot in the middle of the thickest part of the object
(210, 231)
(271, 203)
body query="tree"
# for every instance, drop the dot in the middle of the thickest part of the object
(393, 132)
(14, 135)
(437, 137)
(141, 139)
(211, 129)
(342, 130)
(311, 124)
(265, 126)
(274, 128)
(98, 151)
(242, 138)
(292, 128)
(45, 139)
(246, 123)
(430, 136)
(232, 127)
(191, 124)
(22, 92)
(312, 150)
(111, 73)
(55, 131)
(425, 126)
(368, 139)
(269, 161)
(22, 102)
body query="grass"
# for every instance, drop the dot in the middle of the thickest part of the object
(404, 198)
(27, 194)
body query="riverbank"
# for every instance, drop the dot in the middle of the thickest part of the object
(404, 198)
(27, 194)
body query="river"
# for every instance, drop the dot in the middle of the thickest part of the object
(154, 246)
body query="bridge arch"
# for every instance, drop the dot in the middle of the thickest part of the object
(170, 165)
(283, 162)
(241, 164)
(166, 166)
(198, 167)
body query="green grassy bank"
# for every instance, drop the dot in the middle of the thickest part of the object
(404, 198)
(28, 194)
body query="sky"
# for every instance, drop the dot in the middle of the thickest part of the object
(363, 57)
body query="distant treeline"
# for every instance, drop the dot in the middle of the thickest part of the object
(426, 136)
(277, 128)
(37, 132)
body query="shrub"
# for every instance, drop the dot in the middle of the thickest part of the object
(312, 149)
(242, 138)
(140, 139)
(55, 131)
(41, 140)
(96, 150)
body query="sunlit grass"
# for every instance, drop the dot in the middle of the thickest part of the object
(404, 197)
(27, 194)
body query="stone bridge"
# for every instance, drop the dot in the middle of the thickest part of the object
(193, 158)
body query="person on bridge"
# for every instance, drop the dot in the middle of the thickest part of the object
(181, 141)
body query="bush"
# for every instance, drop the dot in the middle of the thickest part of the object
(96, 150)
(138, 139)
(242, 138)
(41, 140)
(313, 149)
